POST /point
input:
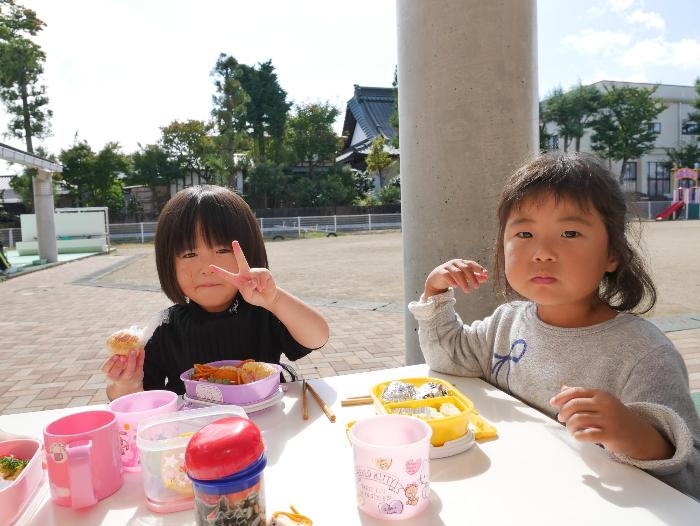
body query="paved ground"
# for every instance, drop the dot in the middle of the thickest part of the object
(54, 322)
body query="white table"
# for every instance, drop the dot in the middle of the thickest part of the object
(534, 473)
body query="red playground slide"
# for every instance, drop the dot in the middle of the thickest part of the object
(675, 207)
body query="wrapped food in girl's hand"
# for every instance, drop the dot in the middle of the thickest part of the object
(121, 342)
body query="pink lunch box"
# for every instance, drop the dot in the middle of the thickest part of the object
(15, 496)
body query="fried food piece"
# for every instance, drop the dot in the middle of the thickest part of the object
(121, 342)
(11, 467)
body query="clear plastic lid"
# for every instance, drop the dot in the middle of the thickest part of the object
(163, 432)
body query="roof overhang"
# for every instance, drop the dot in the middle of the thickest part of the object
(13, 155)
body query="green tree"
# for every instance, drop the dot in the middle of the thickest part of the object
(21, 66)
(394, 119)
(571, 111)
(685, 156)
(191, 147)
(377, 158)
(151, 166)
(620, 129)
(229, 105)
(265, 115)
(266, 184)
(694, 116)
(93, 179)
(336, 188)
(310, 134)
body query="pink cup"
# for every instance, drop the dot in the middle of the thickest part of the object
(83, 458)
(392, 468)
(133, 409)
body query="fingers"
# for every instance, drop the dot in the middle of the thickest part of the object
(241, 261)
(467, 275)
(569, 393)
(114, 367)
(576, 406)
(234, 279)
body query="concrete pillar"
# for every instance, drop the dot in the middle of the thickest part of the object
(43, 209)
(467, 72)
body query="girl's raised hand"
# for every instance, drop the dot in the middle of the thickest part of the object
(125, 370)
(255, 284)
(594, 415)
(457, 273)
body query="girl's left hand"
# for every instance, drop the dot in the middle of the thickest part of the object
(594, 415)
(255, 284)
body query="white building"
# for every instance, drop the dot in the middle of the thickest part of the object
(650, 174)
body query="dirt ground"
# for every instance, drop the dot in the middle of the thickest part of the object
(368, 267)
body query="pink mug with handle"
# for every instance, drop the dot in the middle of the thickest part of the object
(83, 458)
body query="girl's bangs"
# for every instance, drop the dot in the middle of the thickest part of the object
(209, 218)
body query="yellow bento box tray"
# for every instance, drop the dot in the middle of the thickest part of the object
(444, 429)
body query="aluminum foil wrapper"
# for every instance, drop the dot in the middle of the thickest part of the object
(431, 390)
(399, 392)
(427, 413)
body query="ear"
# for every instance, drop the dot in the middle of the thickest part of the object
(613, 263)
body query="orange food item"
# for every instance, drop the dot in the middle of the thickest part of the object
(244, 373)
(121, 342)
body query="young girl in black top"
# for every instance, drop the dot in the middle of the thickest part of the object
(227, 305)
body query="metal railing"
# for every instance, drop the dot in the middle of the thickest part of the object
(298, 227)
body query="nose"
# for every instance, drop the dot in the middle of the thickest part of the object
(543, 253)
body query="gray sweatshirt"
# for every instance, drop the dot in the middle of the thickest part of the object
(627, 356)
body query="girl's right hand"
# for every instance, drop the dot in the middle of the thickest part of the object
(457, 273)
(125, 371)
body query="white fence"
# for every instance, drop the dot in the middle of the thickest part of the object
(271, 227)
(295, 227)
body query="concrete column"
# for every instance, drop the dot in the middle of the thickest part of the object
(467, 72)
(43, 209)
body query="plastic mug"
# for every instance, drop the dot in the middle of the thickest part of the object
(392, 471)
(83, 458)
(133, 409)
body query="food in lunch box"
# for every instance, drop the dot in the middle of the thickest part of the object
(431, 390)
(244, 373)
(449, 409)
(426, 413)
(399, 392)
(121, 342)
(11, 467)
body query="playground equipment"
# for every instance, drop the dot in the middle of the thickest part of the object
(686, 194)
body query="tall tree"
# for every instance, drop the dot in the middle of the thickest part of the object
(621, 128)
(21, 66)
(685, 156)
(151, 166)
(229, 105)
(191, 147)
(572, 112)
(394, 118)
(310, 134)
(94, 178)
(695, 115)
(265, 115)
(377, 158)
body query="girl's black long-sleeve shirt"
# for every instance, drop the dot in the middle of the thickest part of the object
(188, 335)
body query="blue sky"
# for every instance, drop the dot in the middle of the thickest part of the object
(118, 70)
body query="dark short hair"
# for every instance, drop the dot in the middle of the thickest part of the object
(221, 215)
(584, 180)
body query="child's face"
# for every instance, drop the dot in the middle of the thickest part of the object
(198, 282)
(556, 254)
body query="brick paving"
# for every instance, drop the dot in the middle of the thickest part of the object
(53, 331)
(54, 323)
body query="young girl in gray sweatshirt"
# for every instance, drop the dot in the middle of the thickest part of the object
(573, 348)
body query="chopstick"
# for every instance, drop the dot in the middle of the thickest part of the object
(357, 400)
(320, 402)
(305, 402)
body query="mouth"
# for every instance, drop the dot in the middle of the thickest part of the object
(208, 285)
(543, 280)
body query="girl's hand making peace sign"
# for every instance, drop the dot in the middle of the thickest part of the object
(457, 273)
(256, 285)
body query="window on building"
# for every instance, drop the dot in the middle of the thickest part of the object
(629, 179)
(659, 181)
(654, 127)
(690, 128)
(553, 142)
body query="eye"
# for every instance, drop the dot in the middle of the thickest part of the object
(187, 255)
(570, 233)
(223, 250)
(524, 235)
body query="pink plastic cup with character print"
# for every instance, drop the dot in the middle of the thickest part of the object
(392, 471)
(133, 409)
(83, 458)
